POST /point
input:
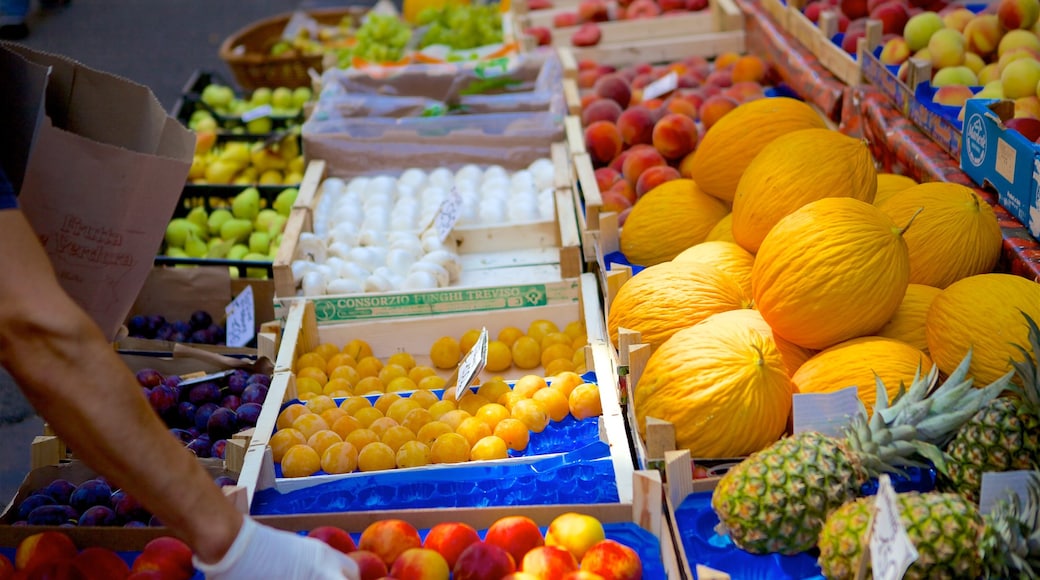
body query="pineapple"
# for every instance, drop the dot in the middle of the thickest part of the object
(953, 540)
(1005, 434)
(776, 500)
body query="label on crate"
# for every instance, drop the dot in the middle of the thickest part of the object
(472, 364)
(241, 319)
(257, 113)
(999, 486)
(661, 86)
(826, 413)
(446, 301)
(891, 551)
(448, 214)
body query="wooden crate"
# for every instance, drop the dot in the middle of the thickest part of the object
(510, 266)
(817, 39)
(703, 33)
(678, 475)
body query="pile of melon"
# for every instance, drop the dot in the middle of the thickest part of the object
(785, 263)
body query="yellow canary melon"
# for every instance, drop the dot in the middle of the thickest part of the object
(663, 299)
(907, 324)
(668, 219)
(856, 362)
(955, 235)
(983, 313)
(794, 356)
(731, 143)
(889, 184)
(835, 269)
(794, 169)
(722, 384)
(723, 231)
(726, 256)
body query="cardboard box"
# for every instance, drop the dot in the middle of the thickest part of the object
(1002, 159)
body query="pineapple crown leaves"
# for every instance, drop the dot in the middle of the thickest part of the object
(1012, 544)
(1028, 369)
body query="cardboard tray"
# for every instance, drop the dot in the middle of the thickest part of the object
(502, 266)
(1002, 159)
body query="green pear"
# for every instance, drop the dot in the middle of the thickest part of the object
(263, 219)
(200, 217)
(277, 225)
(177, 231)
(217, 96)
(284, 201)
(219, 248)
(237, 252)
(260, 273)
(282, 98)
(259, 126)
(195, 246)
(259, 242)
(216, 219)
(175, 252)
(236, 230)
(246, 204)
(300, 96)
(260, 96)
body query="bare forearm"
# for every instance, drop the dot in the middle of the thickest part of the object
(75, 380)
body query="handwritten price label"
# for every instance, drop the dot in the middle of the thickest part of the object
(471, 366)
(257, 113)
(661, 86)
(448, 214)
(999, 486)
(891, 551)
(241, 319)
(825, 413)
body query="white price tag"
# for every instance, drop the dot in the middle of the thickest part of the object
(998, 486)
(472, 364)
(826, 413)
(257, 113)
(241, 319)
(448, 214)
(661, 86)
(891, 551)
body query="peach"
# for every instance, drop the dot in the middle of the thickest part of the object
(655, 176)
(946, 48)
(43, 547)
(587, 64)
(1019, 78)
(981, 34)
(721, 78)
(574, 532)
(641, 80)
(850, 42)
(612, 559)
(1020, 53)
(549, 562)
(636, 125)
(449, 539)
(952, 95)
(974, 62)
(893, 16)
(990, 73)
(958, 18)
(954, 75)
(1018, 14)
(639, 159)
(619, 197)
(517, 535)
(592, 11)
(812, 11)
(587, 98)
(622, 217)
(749, 68)
(588, 34)
(520, 576)
(565, 19)
(1014, 39)
(96, 563)
(642, 9)
(603, 142)
(483, 561)
(600, 110)
(1029, 127)
(854, 8)
(615, 87)
(6, 567)
(675, 136)
(991, 90)
(580, 574)
(726, 60)
(894, 52)
(420, 564)
(672, 5)
(714, 108)
(587, 79)
(370, 565)
(167, 555)
(682, 106)
(389, 538)
(1027, 107)
(606, 177)
(618, 162)
(744, 91)
(336, 537)
(920, 28)
(541, 34)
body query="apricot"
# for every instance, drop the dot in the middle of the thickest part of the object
(749, 68)
(954, 75)
(684, 106)
(958, 18)
(653, 177)
(603, 142)
(339, 458)
(744, 91)
(714, 108)
(726, 60)
(1014, 39)
(636, 125)
(894, 52)
(605, 178)
(1018, 14)
(946, 48)
(639, 159)
(600, 109)
(584, 401)
(675, 136)
(300, 461)
(282, 440)
(952, 95)
(920, 28)
(1020, 78)
(982, 34)
(514, 432)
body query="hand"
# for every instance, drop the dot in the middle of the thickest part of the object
(263, 552)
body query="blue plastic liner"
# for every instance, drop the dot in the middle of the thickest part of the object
(585, 475)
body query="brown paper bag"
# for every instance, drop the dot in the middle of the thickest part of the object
(102, 178)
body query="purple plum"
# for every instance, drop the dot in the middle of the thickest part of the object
(91, 493)
(138, 326)
(60, 490)
(248, 413)
(135, 524)
(149, 377)
(254, 393)
(217, 450)
(172, 380)
(200, 337)
(182, 435)
(164, 332)
(178, 337)
(52, 515)
(155, 522)
(201, 446)
(219, 334)
(155, 322)
(222, 424)
(208, 392)
(236, 382)
(163, 398)
(146, 392)
(182, 327)
(128, 508)
(98, 515)
(32, 502)
(232, 402)
(260, 378)
(193, 431)
(186, 413)
(202, 415)
(224, 480)
(200, 319)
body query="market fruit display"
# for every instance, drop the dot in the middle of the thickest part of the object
(834, 269)
(722, 383)
(52, 554)
(952, 537)
(778, 499)
(726, 256)
(261, 112)
(661, 300)
(241, 161)
(200, 328)
(203, 415)
(92, 502)
(375, 234)
(669, 219)
(794, 169)
(1002, 435)
(908, 322)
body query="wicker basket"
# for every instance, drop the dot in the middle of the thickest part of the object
(246, 52)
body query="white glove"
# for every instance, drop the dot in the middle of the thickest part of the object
(264, 552)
